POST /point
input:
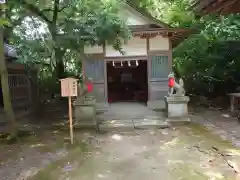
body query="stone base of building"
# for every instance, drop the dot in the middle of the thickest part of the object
(156, 104)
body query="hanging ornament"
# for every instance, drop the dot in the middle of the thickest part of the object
(113, 63)
(118, 64)
(129, 64)
(137, 63)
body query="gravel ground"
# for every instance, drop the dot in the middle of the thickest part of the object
(220, 123)
(183, 152)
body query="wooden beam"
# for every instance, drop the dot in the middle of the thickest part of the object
(203, 4)
(227, 6)
(94, 56)
(158, 30)
(125, 58)
(15, 66)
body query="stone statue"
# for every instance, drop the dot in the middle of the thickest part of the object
(84, 107)
(173, 85)
(83, 91)
(176, 101)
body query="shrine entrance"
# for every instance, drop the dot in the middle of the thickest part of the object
(127, 81)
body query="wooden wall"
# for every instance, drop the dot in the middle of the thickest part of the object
(158, 70)
(95, 69)
(135, 46)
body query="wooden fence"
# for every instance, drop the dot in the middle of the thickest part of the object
(23, 86)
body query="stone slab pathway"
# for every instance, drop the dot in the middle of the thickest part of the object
(122, 125)
(128, 110)
(131, 115)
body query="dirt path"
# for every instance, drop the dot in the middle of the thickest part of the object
(186, 152)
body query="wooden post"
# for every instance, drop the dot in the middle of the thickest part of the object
(70, 118)
(69, 89)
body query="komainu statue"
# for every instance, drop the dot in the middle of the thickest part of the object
(83, 90)
(175, 89)
(85, 109)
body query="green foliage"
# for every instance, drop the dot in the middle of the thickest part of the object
(52, 33)
(4, 22)
(209, 61)
(174, 12)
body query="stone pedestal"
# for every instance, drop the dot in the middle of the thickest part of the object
(177, 108)
(101, 107)
(85, 112)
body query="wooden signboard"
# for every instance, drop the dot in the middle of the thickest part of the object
(69, 89)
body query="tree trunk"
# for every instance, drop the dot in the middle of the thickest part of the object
(60, 69)
(12, 124)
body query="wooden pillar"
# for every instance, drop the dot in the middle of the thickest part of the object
(232, 105)
(170, 62)
(105, 82)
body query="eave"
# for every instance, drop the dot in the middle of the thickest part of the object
(176, 35)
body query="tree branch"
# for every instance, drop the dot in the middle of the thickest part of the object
(18, 21)
(47, 10)
(62, 8)
(54, 19)
(59, 10)
(35, 10)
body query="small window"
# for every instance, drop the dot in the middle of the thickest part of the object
(95, 69)
(159, 66)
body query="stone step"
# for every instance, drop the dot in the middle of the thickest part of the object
(133, 124)
(177, 120)
(151, 124)
(118, 123)
(124, 125)
(132, 117)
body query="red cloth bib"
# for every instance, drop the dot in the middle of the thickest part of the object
(171, 82)
(89, 87)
